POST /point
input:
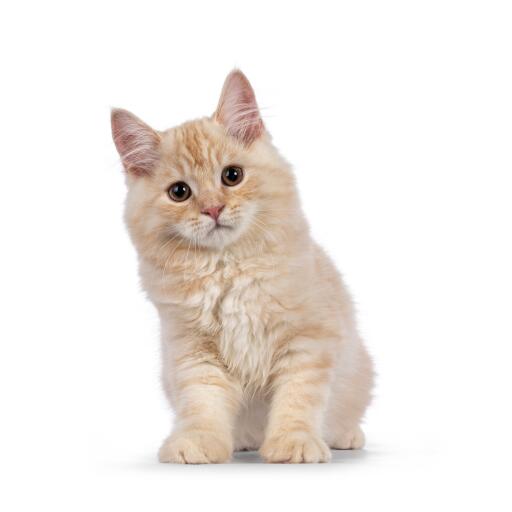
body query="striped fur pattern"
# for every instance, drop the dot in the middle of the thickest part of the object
(259, 344)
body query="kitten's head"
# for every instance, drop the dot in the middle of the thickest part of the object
(209, 183)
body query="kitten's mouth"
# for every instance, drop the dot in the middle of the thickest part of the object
(218, 227)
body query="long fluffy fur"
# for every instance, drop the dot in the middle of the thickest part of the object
(259, 343)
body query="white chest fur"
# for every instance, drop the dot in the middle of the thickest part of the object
(238, 307)
(245, 340)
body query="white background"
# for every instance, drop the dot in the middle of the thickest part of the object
(398, 119)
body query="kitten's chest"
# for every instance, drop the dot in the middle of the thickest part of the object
(241, 311)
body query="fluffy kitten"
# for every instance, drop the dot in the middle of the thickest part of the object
(259, 344)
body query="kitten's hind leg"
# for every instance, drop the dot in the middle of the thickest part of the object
(350, 396)
(347, 439)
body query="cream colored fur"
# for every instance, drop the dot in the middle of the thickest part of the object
(259, 343)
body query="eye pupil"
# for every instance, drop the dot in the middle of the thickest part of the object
(232, 175)
(179, 191)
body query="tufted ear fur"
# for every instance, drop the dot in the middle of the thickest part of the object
(237, 110)
(136, 142)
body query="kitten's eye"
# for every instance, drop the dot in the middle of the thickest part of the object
(232, 175)
(179, 191)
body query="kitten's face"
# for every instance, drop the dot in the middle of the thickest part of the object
(207, 189)
(207, 183)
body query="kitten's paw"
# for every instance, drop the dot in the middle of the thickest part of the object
(295, 447)
(195, 447)
(352, 439)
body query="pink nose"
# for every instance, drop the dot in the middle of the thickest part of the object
(213, 211)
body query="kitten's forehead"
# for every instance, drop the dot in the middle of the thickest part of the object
(196, 148)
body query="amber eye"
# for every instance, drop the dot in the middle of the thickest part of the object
(179, 191)
(232, 175)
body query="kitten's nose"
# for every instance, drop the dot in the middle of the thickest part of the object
(213, 211)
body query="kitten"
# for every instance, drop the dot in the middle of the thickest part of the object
(259, 343)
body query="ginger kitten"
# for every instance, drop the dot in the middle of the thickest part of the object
(259, 343)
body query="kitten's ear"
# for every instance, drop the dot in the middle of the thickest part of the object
(136, 142)
(237, 110)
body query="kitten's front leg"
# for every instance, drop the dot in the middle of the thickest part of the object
(206, 403)
(300, 393)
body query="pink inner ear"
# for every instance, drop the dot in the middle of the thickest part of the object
(238, 110)
(136, 142)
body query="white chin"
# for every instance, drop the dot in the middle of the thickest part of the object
(219, 237)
